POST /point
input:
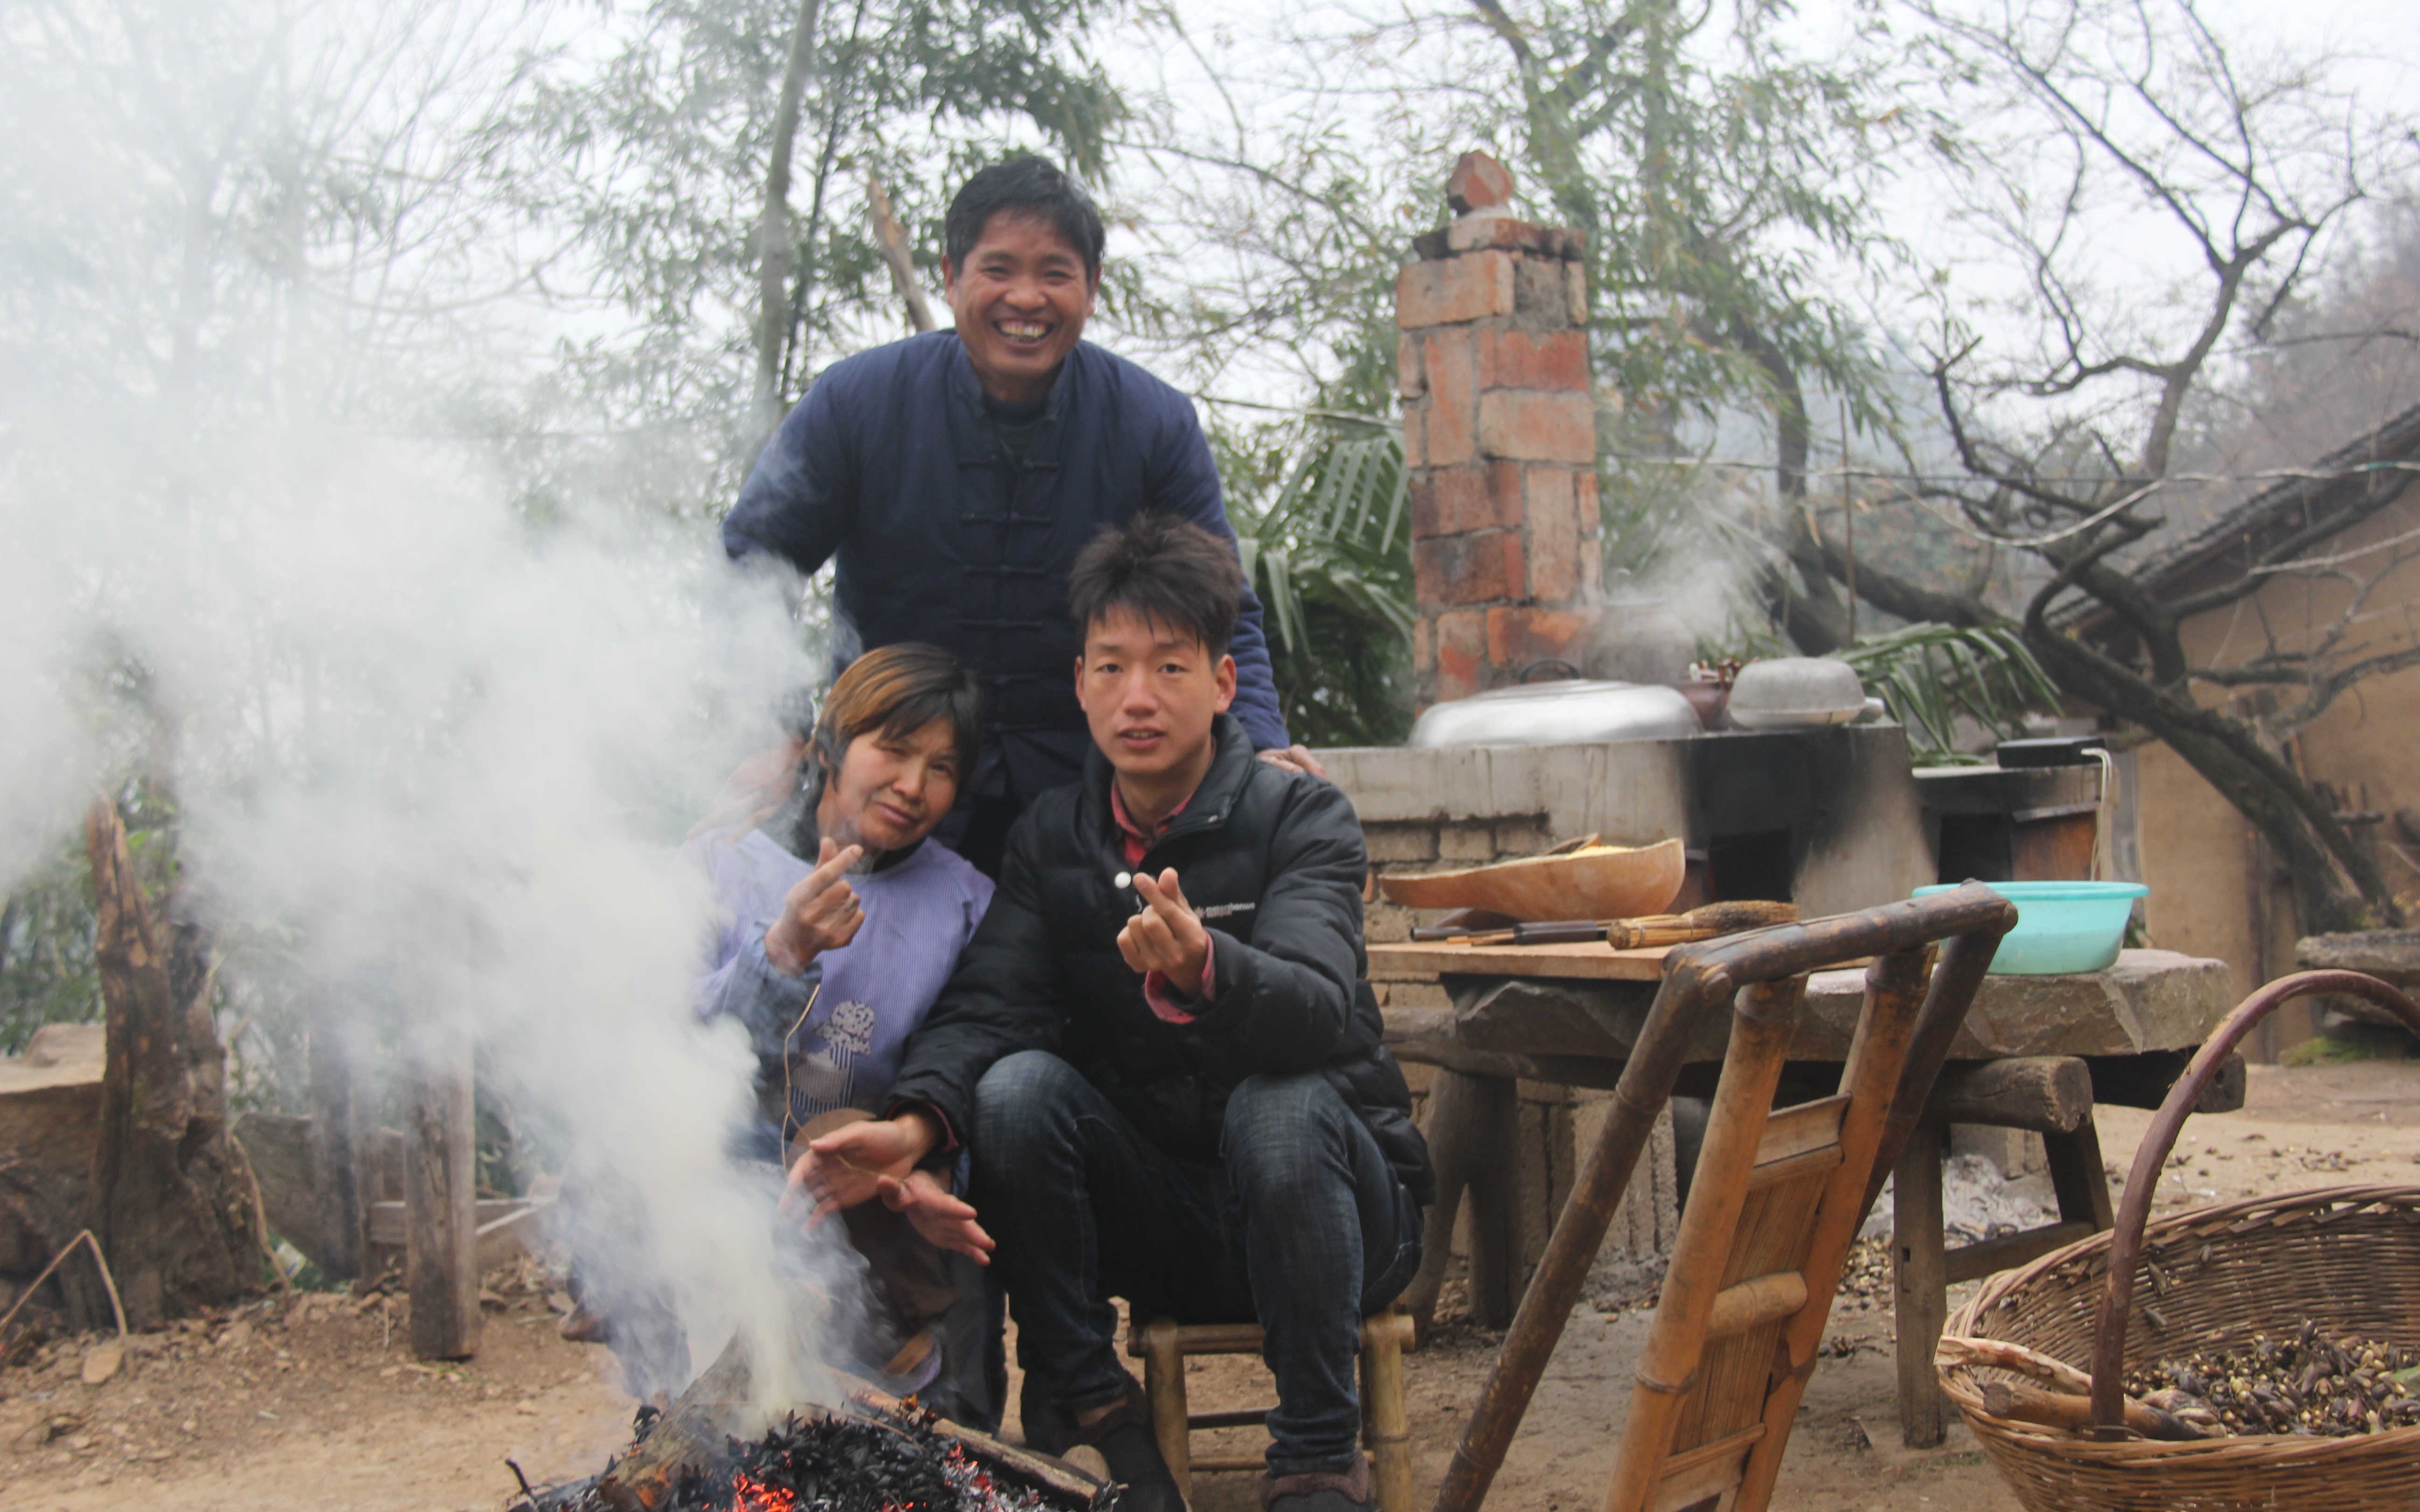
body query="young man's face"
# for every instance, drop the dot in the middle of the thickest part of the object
(1021, 299)
(1149, 693)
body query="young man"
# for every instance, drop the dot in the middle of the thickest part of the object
(955, 475)
(1162, 1052)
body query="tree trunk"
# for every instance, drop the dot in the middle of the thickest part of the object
(1812, 613)
(773, 225)
(172, 1199)
(895, 255)
(2336, 888)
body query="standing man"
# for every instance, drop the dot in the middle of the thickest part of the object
(957, 474)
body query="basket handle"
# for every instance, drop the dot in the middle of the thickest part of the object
(2126, 1238)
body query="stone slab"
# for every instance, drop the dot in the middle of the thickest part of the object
(2150, 1000)
(2391, 955)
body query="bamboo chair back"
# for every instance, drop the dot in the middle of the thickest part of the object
(1777, 1201)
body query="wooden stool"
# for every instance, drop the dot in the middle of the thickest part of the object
(1162, 1344)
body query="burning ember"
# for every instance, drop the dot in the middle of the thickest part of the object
(880, 1461)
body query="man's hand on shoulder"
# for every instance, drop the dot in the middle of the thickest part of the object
(849, 1165)
(1295, 759)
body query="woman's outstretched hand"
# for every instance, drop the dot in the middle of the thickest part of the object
(945, 1220)
(846, 1166)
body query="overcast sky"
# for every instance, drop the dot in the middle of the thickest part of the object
(2379, 41)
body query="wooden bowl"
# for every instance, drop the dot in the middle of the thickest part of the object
(1614, 883)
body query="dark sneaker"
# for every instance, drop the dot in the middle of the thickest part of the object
(1124, 1440)
(1323, 1490)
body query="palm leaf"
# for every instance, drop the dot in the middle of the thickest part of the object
(1329, 551)
(1930, 675)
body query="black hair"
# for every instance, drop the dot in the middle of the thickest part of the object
(1024, 185)
(1169, 572)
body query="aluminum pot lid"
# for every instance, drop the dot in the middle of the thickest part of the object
(1799, 686)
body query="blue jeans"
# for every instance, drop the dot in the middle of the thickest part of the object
(1301, 1225)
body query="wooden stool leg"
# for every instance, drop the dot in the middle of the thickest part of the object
(1920, 1269)
(2077, 1176)
(1387, 1426)
(1163, 1387)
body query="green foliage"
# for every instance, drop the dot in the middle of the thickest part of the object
(47, 925)
(1929, 676)
(656, 163)
(1714, 170)
(1325, 538)
(47, 975)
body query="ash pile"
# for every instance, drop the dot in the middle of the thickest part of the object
(877, 1456)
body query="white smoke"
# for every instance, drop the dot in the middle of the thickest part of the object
(449, 754)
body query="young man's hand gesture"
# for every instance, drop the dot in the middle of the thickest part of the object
(1167, 937)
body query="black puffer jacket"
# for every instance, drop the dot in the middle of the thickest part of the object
(1274, 862)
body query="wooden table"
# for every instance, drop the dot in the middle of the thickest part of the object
(2036, 1053)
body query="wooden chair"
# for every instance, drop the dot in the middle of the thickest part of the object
(1162, 1344)
(1777, 1201)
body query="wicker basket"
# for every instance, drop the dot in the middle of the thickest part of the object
(2210, 1279)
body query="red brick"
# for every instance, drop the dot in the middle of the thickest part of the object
(1508, 504)
(1576, 291)
(1455, 500)
(1453, 401)
(1537, 427)
(1482, 232)
(1421, 657)
(1519, 636)
(1554, 535)
(1449, 290)
(1510, 358)
(1478, 183)
(1461, 654)
(1414, 434)
(1467, 569)
(1409, 384)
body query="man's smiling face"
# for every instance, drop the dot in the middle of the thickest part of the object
(1021, 298)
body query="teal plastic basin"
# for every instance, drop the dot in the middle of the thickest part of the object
(2062, 927)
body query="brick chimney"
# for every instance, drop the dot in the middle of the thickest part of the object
(1500, 437)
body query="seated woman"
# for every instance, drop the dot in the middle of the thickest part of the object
(831, 965)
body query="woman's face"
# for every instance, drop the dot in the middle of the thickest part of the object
(889, 793)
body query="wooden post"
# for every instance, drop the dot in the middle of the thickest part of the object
(1385, 1423)
(343, 1180)
(2076, 1175)
(1920, 1270)
(442, 1265)
(1163, 1374)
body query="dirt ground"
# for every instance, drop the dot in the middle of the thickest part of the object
(314, 1401)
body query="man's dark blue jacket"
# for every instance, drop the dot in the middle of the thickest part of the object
(891, 462)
